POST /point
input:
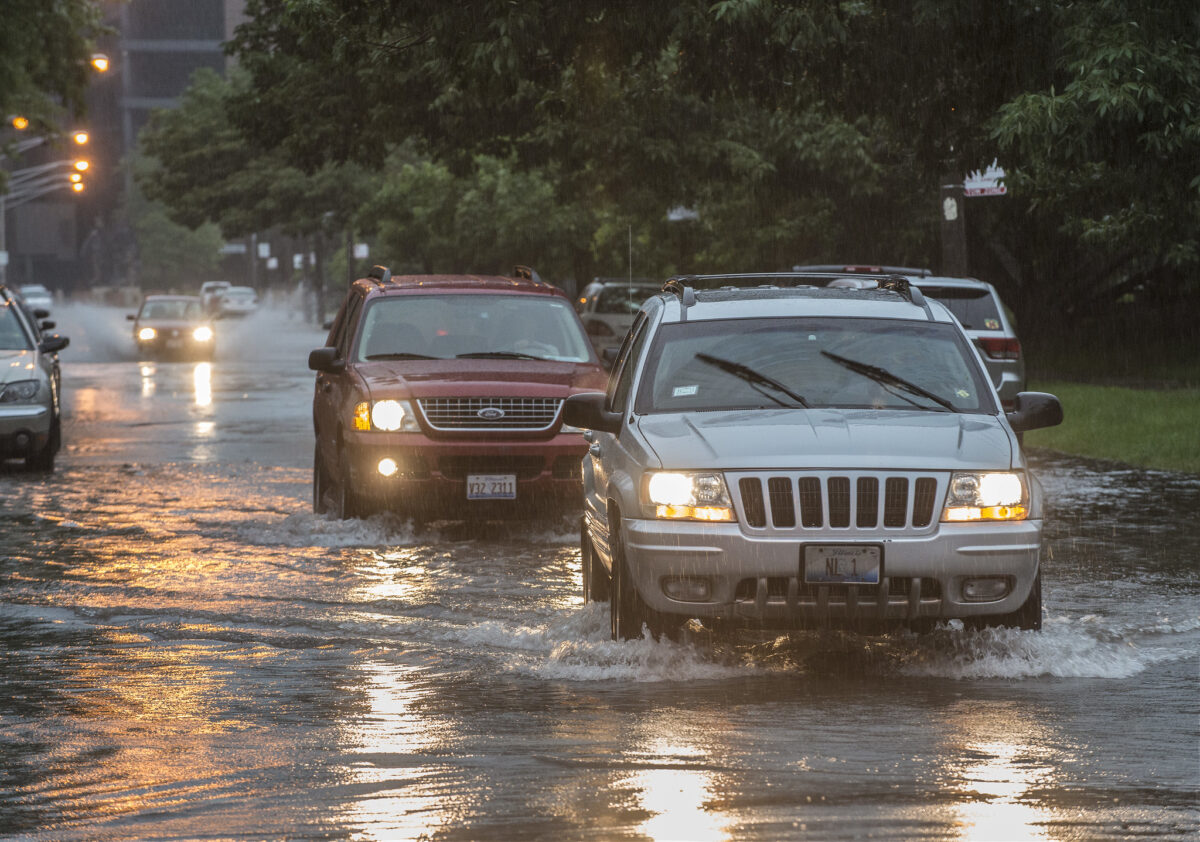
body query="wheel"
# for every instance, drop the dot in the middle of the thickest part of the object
(346, 503)
(43, 460)
(595, 577)
(320, 483)
(627, 610)
(1027, 617)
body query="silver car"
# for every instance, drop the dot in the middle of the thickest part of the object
(792, 457)
(30, 421)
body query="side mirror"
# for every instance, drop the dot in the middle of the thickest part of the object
(1034, 410)
(586, 411)
(48, 325)
(131, 317)
(53, 344)
(40, 313)
(326, 359)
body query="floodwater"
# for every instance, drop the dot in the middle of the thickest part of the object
(187, 652)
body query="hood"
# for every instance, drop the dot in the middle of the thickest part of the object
(855, 439)
(444, 378)
(18, 365)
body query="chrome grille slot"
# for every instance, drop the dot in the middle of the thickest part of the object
(895, 502)
(533, 414)
(810, 502)
(783, 505)
(839, 501)
(924, 498)
(752, 502)
(868, 503)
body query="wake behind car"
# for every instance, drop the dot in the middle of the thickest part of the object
(30, 410)
(173, 326)
(790, 456)
(442, 395)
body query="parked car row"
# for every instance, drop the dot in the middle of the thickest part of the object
(772, 450)
(223, 300)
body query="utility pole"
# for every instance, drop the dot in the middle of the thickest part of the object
(954, 229)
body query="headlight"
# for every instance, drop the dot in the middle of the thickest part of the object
(387, 415)
(147, 333)
(202, 334)
(688, 496)
(19, 392)
(986, 496)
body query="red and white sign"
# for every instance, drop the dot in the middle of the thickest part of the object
(986, 182)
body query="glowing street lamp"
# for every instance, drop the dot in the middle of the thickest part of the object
(82, 165)
(100, 62)
(80, 137)
(20, 123)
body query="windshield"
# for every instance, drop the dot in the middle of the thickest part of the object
(846, 363)
(466, 325)
(181, 309)
(12, 333)
(975, 308)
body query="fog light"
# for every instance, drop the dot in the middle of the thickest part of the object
(688, 588)
(387, 467)
(985, 589)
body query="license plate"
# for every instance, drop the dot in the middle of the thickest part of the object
(491, 486)
(841, 564)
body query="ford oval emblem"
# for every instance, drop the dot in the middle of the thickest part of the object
(491, 413)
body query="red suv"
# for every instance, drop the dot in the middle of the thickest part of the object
(443, 394)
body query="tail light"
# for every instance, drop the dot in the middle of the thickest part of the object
(1001, 348)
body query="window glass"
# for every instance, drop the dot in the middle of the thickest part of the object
(12, 333)
(627, 362)
(624, 300)
(178, 309)
(472, 324)
(975, 308)
(818, 362)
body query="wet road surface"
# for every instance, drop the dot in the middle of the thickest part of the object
(188, 652)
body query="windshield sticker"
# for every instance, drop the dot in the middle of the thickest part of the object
(684, 391)
(991, 324)
(963, 393)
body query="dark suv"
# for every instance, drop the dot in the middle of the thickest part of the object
(442, 395)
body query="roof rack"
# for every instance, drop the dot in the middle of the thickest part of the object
(901, 285)
(865, 269)
(380, 274)
(680, 287)
(526, 272)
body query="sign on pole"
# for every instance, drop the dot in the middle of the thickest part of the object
(986, 182)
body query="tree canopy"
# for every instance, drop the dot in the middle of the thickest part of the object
(796, 131)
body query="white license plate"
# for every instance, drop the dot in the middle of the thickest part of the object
(841, 564)
(491, 486)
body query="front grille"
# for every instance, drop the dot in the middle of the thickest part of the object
(778, 501)
(534, 414)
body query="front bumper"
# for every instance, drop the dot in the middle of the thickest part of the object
(432, 474)
(760, 581)
(24, 429)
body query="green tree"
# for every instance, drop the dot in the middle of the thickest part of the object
(45, 49)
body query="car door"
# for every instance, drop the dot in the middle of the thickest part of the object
(333, 388)
(609, 459)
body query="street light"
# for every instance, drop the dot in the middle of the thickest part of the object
(100, 62)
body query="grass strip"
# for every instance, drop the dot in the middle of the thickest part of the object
(1148, 428)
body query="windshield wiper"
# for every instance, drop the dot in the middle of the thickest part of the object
(501, 355)
(882, 375)
(754, 378)
(400, 355)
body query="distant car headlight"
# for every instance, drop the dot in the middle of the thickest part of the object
(688, 495)
(147, 333)
(19, 391)
(387, 415)
(976, 496)
(204, 333)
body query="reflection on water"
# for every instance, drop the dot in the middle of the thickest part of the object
(998, 754)
(675, 791)
(202, 384)
(148, 383)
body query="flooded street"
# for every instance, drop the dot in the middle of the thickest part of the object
(189, 653)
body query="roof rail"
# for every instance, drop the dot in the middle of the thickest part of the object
(901, 285)
(526, 272)
(381, 274)
(865, 269)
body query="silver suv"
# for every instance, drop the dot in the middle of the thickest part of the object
(789, 456)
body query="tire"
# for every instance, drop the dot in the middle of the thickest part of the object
(1028, 617)
(43, 460)
(346, 503)
(320, 483)
(595, 577)
(627, 610)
